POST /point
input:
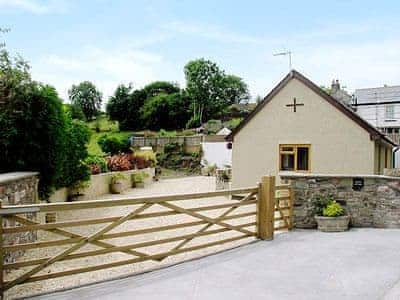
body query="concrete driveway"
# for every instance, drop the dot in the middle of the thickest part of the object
(359, 264)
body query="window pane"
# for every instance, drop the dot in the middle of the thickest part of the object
(302, 158)
(288, 149)
(287, 162)
(389, 111)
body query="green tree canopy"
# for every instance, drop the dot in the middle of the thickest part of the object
(159, 87)
(124, 107)
(211, 90)
(87, 97)
(166, 111)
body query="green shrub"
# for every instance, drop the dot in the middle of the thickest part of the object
(74, 168)
(96, 162)
(333, 209)
(37, 134)
(139, 177)
(148, 155)
(233, 123)
(118, 176)
(113, 145)
(164, 133)
(193, 122)
(319, 203)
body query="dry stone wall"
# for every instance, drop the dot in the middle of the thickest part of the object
(18, 188)
(375, 204)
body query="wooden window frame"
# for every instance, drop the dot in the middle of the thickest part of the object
(294, 152)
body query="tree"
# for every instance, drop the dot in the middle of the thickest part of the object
(203, 84)
(74, 112)
(124, 107)
(36, 133)
(211, 90)
(166, 111)
(87, 97)
(159, 87)
(235, 89)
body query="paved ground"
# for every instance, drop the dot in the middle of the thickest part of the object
(360, 264)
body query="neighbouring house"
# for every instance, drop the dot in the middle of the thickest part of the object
(216, 150)
(300, 128)
(381, 108)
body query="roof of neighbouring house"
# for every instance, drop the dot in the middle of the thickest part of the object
(375, 134)
(378, 94)
(224, 131)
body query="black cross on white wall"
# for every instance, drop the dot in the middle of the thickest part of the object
(295, 104)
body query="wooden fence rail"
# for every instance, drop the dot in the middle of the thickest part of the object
(272, 211)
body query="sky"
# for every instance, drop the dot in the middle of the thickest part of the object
(114, 42)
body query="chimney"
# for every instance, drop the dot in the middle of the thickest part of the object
(335, 86)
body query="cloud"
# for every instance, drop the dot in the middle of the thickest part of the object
(105, 68)
(34, 6)
(212, 32)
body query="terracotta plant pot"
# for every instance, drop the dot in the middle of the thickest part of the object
(332, 224)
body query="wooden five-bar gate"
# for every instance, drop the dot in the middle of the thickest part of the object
(267, 208)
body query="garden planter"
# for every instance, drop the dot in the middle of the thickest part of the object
(332, 224)
(117, 187)
(77, 197)
(139, 184)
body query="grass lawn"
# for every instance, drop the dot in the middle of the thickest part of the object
(106, 127)
(94, 148)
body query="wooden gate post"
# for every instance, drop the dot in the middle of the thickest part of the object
(266, 208)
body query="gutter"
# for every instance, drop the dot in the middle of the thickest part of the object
(397, 148)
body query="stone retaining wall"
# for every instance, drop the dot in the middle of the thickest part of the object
(376, 204)
(18, 188)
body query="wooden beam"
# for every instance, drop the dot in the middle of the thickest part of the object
(205, 218)
(227, 212)
(133, 260)
(86, 222)
(74, 235)
(265, 208)
(46, 207)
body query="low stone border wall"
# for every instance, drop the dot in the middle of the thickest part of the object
(370, 200)
(18, 188)
(98, 185)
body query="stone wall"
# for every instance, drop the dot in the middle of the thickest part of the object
(18, 188)
(376, 204)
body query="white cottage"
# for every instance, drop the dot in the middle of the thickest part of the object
(300, 128)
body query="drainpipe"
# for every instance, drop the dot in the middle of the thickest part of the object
(397, 148)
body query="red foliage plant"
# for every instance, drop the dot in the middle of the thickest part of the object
(95, 169)
(141, 162)
(120, 162)
(125, 162)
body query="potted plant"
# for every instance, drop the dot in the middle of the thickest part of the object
(77, 191)
(330, 215)
(117, 183)
(138, 179)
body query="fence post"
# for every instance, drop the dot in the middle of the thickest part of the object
(1, 256)
(266, 208)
